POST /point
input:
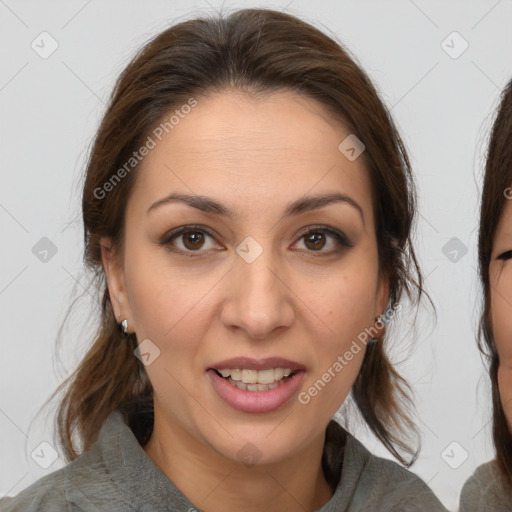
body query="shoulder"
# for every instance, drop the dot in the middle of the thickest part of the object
(72, 487)
(484, 491)
(105, 477)
(47, 493)
(386, 485)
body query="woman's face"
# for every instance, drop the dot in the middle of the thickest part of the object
(500, 276)
(249, 285)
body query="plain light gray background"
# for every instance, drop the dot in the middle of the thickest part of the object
(441, 97)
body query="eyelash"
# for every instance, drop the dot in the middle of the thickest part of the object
(166, 240)
(505, 255)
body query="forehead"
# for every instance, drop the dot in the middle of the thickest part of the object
(253, 152)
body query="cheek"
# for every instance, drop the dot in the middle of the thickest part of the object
(345, 305)
(350, 298)
(505, 386)
(501, 315)
(164, 300)
(169, 308)
(501, 318)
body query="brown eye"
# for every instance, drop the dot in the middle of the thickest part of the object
(195, 238)
(189, 240)
(315, 241)
(318, 239)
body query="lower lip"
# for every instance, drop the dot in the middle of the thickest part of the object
(256, 401)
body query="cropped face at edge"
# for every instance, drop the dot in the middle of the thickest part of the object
(500, 278)
(258, 284)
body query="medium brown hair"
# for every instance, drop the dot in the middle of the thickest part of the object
(498, 176)
(256, 51)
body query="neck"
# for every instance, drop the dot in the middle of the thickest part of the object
(220, 484)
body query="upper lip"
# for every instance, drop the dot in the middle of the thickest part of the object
(257, 364)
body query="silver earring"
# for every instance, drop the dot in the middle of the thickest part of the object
(124, 326)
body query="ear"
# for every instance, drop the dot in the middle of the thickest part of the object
(382, 295)
(114, 273)
(381, 301)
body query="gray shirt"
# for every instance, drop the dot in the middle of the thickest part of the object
(484, 491)
(117, 475)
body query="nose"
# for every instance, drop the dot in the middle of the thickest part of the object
(259, 300)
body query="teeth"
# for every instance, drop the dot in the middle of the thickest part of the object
(253, 387)
(255, 377)
(240, 385)
(250, 376)
(264, 376)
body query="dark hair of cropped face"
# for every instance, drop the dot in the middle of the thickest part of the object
(498, 177)
(257, 52)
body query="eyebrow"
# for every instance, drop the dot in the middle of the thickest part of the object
(304, 204)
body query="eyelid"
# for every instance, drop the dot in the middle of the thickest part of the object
(506, 255)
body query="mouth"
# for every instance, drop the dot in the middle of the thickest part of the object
(252, 386)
